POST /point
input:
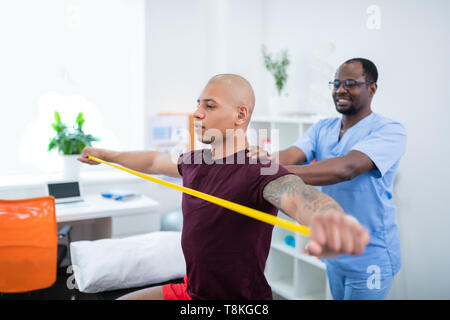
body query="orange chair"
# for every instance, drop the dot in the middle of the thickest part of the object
(28, 244)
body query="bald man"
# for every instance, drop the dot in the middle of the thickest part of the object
(226, 252)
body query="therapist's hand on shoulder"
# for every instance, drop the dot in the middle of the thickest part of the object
(257, 152)
(90, 151)
(334, 233)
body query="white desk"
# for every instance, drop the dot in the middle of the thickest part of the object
(130, 216)
(95, 206)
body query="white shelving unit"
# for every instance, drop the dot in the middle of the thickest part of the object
(281, 130)
(292, 274)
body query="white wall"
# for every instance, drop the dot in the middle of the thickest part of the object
(190, 41)
(410, 49)
(176, 54)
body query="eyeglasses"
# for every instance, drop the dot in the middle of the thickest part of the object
(348, 84)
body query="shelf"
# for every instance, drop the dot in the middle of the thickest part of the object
(286, 290)
(309, 119)
(301, 256)
(283, 288)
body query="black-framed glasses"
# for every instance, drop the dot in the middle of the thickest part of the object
(348, 84)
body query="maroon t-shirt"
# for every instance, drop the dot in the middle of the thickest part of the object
(225, 251)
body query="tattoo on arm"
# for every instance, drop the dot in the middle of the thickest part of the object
(290, 189)
(287, 185)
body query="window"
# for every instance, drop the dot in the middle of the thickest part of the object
(86, 56)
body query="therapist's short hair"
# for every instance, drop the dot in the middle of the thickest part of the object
(370, 70)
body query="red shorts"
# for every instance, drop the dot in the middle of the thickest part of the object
(176, 291)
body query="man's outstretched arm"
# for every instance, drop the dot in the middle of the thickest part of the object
(332, 231)
(151, 162)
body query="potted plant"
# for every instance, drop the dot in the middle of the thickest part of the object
(70, 142)
(278, 68)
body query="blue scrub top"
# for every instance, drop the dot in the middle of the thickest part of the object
(368, 196)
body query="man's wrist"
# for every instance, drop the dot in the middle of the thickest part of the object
(107, 155)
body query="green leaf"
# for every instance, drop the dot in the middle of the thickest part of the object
(80, 120)
(52, 144)
(57, 117)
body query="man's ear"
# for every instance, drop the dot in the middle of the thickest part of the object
(242, 114)
(373, 88)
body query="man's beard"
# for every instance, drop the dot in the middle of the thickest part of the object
(348, 111)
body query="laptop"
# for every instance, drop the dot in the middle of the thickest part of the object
(65, 191)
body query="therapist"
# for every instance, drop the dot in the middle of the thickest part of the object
(357, 157)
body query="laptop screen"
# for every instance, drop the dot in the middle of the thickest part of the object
(64, 190)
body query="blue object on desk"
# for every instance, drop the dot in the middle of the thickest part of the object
(290, 241)
(119, 194)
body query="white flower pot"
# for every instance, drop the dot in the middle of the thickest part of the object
(70, 167)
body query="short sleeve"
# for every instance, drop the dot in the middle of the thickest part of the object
(259, 175)
(189, 158)
(384, 146)
(308, 142)
(180, 164)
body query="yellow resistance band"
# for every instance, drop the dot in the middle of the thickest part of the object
(255, 214)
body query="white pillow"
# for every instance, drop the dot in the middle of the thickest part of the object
(111, 264)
